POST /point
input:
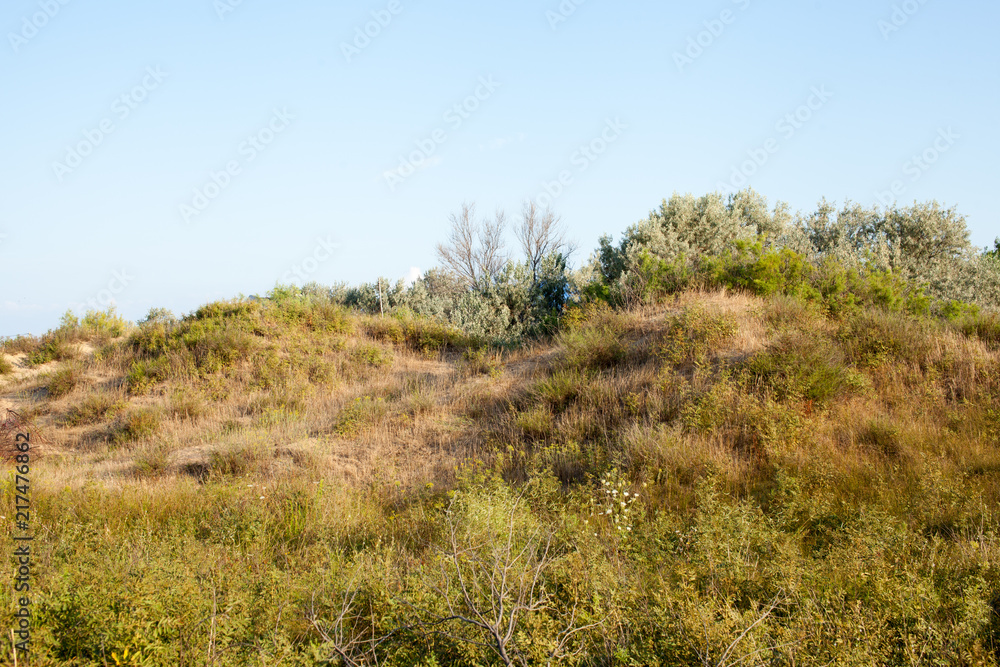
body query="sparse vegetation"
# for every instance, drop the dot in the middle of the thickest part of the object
(719, 449)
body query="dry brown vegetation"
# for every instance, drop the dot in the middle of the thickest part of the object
(814, 489)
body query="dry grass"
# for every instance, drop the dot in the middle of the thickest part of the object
(661, 392)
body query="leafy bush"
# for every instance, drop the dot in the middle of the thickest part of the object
(19, 344)
(983, 326)
(53, 346)
(5, 366)
(187, 405)
(372, 355)
(144, 374)
(134, 425)
(480, 361)
(804, 367)
(94, 408)
(594, 338)
(898, 258)
(63, 381)
(103, 325)
(359, 415)
(158, 317)
(693, 337)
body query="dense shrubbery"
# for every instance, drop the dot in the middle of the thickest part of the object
(892, 257)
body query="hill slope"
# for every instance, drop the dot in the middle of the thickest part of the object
(724, 479)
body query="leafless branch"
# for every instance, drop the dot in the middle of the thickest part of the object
(540, 234)
(475, 250)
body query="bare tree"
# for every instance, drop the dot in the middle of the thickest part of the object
(475, 248)
(489, 587)
(492, 249)
(540, 234)
(345, 635)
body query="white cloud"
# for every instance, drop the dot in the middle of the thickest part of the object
(501, 142)
(413, 275)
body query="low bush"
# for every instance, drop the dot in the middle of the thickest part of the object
(63, 382)
(95, 408)
(802, 366)
(983, 326)
(594, 337)
(134, 425)
(694, 337)
(372, 355)
(53, 346)
(187, 405)
(361, 414)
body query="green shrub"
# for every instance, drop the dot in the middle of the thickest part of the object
(359, 415)
(104, 325)
(187, 405)
(321, 372)
(594, 338)
(481, 361)
(134, 425)
(144, 374)
(94, 408)
(19, 344)
(5, 366)
(872, 338)
(53, 346)
(751, 267)
(802, 366)
(216, 345)
(424, 335)
(984, 326)
(63, 382)
(386, 329)
(372, 355)
(693, 337)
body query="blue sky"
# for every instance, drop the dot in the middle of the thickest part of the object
(115, 113)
